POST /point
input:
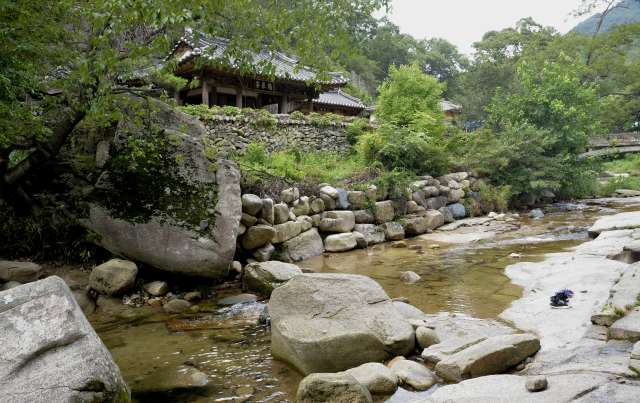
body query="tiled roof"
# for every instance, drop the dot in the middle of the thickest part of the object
(285, 67)
(449, 106)
(339, 98)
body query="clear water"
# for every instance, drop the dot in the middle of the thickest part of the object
(232, 349)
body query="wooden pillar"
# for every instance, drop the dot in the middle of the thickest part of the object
(239, 97)
(214, 95)
(176, 97)
(205, 93)
(259, 101)
(284, 100)
(311, 93)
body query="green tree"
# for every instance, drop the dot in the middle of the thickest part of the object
(441, 59)
(64, 60)
(388, 47)
(408, 96)
(555, 99)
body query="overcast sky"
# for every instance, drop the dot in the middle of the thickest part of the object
(463, 22)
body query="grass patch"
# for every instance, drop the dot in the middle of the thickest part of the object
(612, 184)
(623, 164)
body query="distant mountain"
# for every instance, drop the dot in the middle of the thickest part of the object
(617, 16)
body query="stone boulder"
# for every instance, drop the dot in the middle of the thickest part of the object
(435, 203)
(329, 203)
(181, 214)
(446, 213)
(340, 242)
(616, 221)
(627, 328)
(492, 356)
(337, 221)
(251, 204)
(329, 191)
(286, 231)
(22, 272)
(267, 212)
(393, 231)
(289, 195)
(50, 352)
(455, 195)
(623, 293)
(257, 236)
(364, 217)
(360, 240)
(335, 388)
(372, 233)
(163, 381)
(457, 211)
(263, 278)
(280, 213)
(10, 285)
(316, 206)
(333, 322)
(415, 226)
(414, 374)
(85, 302)
(113, 277)
(426, 337)
(454, 344)
(342, 202)
(384, 211)
(410, 277)
(376, 377)
(536, 213)
(434, 219)
(357, 199)
(302, 247)
(156, 288)
(301, 206)
(430, 191)
(263, 253)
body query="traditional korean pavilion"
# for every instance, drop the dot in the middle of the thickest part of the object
(287, 92)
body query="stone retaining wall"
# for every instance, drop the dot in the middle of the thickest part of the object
(229, 133)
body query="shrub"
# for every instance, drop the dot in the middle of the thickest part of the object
(356, 129)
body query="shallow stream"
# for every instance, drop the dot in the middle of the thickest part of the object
(229, 346)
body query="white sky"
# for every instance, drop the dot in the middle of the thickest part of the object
(463, 22)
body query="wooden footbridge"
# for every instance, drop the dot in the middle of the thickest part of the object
(621, 143)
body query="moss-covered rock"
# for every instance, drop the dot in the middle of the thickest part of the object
(178, 212)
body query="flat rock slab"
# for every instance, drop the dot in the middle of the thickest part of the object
(333, 322)
(22, 272)
(512, 388)
(50, 352)
(560, 327)
(491, 356)
(624, 293)
(447, 326)
(627, 328)
(459, 341)
(616, 221)
(237, 299)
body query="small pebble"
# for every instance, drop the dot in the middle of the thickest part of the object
(434, 246)
(536, 383)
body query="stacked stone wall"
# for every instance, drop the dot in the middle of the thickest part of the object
(236, 133)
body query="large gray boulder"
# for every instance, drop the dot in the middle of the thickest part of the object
(337, 221)
(414, 374)
(340, 242)
(492, 356)
(415, 226)
(179, 213)
(333, 322)
(22, 272)
(372, 233)
(285, 231)
(113, 277)
(342, 203)
(435, 203)
(434, 219)
(446, 213)
(357, 199)
(393, 231)
(263, 278)
(457, 210)
(627, 328)
(384, 211)
(376, 377)
(364, 216)
(251, 204)
(334, 388)
(304, 246)
(50, 352)
(257, 236)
